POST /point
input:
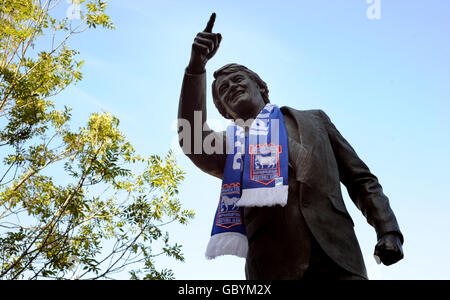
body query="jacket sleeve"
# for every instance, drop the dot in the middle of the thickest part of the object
(204, 147)
(363, 187)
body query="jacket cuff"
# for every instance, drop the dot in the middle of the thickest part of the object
(186, 72)
(396, 232)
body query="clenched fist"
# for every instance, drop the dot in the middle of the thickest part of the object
(204, 47)
(389, 249)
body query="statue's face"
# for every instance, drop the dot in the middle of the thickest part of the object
(240, 95)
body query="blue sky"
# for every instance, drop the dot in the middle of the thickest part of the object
(385, 84)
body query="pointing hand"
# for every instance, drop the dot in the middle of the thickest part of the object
(204, 47)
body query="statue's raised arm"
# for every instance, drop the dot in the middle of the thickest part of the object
(203, 146)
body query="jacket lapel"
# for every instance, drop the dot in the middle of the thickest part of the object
(300, 152)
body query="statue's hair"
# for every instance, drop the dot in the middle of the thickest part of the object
(230, 69)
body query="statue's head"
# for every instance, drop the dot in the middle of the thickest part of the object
(238, 92)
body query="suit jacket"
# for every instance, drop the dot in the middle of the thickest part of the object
(320, 158)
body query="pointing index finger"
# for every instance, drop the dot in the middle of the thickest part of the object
(210, 24)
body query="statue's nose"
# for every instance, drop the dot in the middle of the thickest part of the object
(233, 87)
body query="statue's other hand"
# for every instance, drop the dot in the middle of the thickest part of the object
(389, 249)
(204, 47)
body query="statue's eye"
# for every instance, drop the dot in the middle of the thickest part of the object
(222, 88)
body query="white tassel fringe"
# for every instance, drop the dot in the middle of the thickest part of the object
(264, 196)
(227, 243)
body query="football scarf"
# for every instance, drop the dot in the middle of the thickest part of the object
(255, 174)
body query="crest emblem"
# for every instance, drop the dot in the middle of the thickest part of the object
(229, 214)
(265, 163)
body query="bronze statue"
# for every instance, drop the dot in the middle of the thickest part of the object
(312, 237)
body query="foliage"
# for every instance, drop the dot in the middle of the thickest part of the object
(73, 203)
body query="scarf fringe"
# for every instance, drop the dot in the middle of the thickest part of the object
(227, 243)
(264, 196)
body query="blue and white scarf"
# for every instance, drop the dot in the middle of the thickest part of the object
(256, 177)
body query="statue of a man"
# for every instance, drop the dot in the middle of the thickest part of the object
(312, 236)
